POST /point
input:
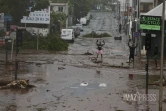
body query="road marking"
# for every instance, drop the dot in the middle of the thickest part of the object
(84, 84)
(102, 85)
(74, 87)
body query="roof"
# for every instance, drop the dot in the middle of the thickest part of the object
(58, 4)
(157, 11)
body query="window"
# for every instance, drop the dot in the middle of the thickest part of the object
(145, 7)
(60, 9)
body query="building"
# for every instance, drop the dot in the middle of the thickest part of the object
(146, 6)
(156, 39)
(62, 8)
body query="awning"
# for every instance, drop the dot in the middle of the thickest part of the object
(157, 11)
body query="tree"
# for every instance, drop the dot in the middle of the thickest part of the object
(58, 20)
(41, 4)
(81, 8)
(16, 8)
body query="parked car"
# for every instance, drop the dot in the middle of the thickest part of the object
(67, 34)
(76, 32)
(80, 26)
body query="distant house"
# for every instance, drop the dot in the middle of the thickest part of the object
(61, 8)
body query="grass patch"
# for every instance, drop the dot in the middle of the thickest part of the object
(95, 35)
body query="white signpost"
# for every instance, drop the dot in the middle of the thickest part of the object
(38, 17)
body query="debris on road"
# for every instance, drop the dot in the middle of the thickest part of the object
(118, 38)
(61, 68)
(18, 84)
(88, 53)
(95, 35)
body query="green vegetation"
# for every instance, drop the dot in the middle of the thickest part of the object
(80, 8)
(58, 21)
(51, 43)
(95, 35)
(2, 33)
(18, 8)
(41, 4)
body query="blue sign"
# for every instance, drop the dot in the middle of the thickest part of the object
(136, 34)
(8, 17)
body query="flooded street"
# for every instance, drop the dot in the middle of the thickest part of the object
(72, 81)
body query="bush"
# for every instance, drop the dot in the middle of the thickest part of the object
(95, 35)
(51, 42)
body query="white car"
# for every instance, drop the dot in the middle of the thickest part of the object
(67, 34)
(80, 26)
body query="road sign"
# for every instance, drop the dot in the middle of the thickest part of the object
(136, 34)
(8, 18)
(150, 22)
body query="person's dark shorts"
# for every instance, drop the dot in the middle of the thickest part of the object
(131, 56)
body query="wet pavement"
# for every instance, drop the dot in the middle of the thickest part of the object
(72, 81)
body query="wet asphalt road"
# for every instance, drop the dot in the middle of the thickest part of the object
(70, 81)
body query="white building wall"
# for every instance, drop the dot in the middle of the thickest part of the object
(55, 8)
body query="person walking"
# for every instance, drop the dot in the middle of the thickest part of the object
(99, 47)
(120, 27)
(156, 55)
(132, 51)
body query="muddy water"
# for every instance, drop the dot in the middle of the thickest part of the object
(58, 87)
(61, 85)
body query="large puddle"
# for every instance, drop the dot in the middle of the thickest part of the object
(55, 85)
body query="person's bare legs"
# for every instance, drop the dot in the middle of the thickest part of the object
(156, 63)
(101, 57)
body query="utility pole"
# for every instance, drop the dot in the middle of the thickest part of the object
(147, 47)
(119, 12)
(19, 35)
(161, 59)
(128, 18)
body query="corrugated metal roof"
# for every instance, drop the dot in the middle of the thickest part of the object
(157, 11)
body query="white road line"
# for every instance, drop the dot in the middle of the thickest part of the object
(102, 85)
(74, 87)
